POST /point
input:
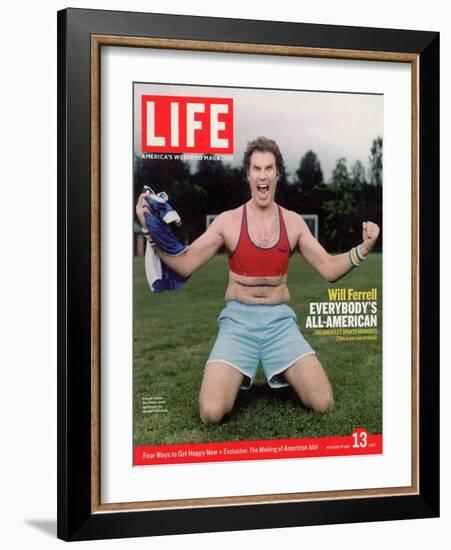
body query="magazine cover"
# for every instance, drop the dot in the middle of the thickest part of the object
(257, 297)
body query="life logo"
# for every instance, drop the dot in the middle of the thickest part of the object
(181, 124)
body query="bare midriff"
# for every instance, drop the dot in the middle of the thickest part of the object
(257, 290)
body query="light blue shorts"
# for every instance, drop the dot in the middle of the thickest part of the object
(254, 333)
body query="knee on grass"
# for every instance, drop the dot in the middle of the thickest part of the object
(212, 413)
(322, 402)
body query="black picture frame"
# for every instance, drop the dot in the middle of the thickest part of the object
(77, 517)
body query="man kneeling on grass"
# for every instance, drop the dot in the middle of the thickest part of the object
(257, 324)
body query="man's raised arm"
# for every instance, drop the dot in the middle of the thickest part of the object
(198, 253)
(334, 267)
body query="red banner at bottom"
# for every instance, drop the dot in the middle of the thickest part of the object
(360, 442)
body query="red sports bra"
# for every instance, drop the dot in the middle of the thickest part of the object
(251, 260)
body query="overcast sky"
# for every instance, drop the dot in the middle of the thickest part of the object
(331, 124)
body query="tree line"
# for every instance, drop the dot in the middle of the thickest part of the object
(352, 194)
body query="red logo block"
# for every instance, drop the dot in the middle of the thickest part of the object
(175, 124)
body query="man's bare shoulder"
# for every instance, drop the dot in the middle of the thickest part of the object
(294, 222)
(289, 214)
(228, 216)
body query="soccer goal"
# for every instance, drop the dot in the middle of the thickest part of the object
(209, 219)
(312, 221)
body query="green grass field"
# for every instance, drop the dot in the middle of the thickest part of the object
(173, 335)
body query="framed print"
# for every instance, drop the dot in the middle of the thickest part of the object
(248, 270)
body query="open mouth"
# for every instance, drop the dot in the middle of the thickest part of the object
(263, 189)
